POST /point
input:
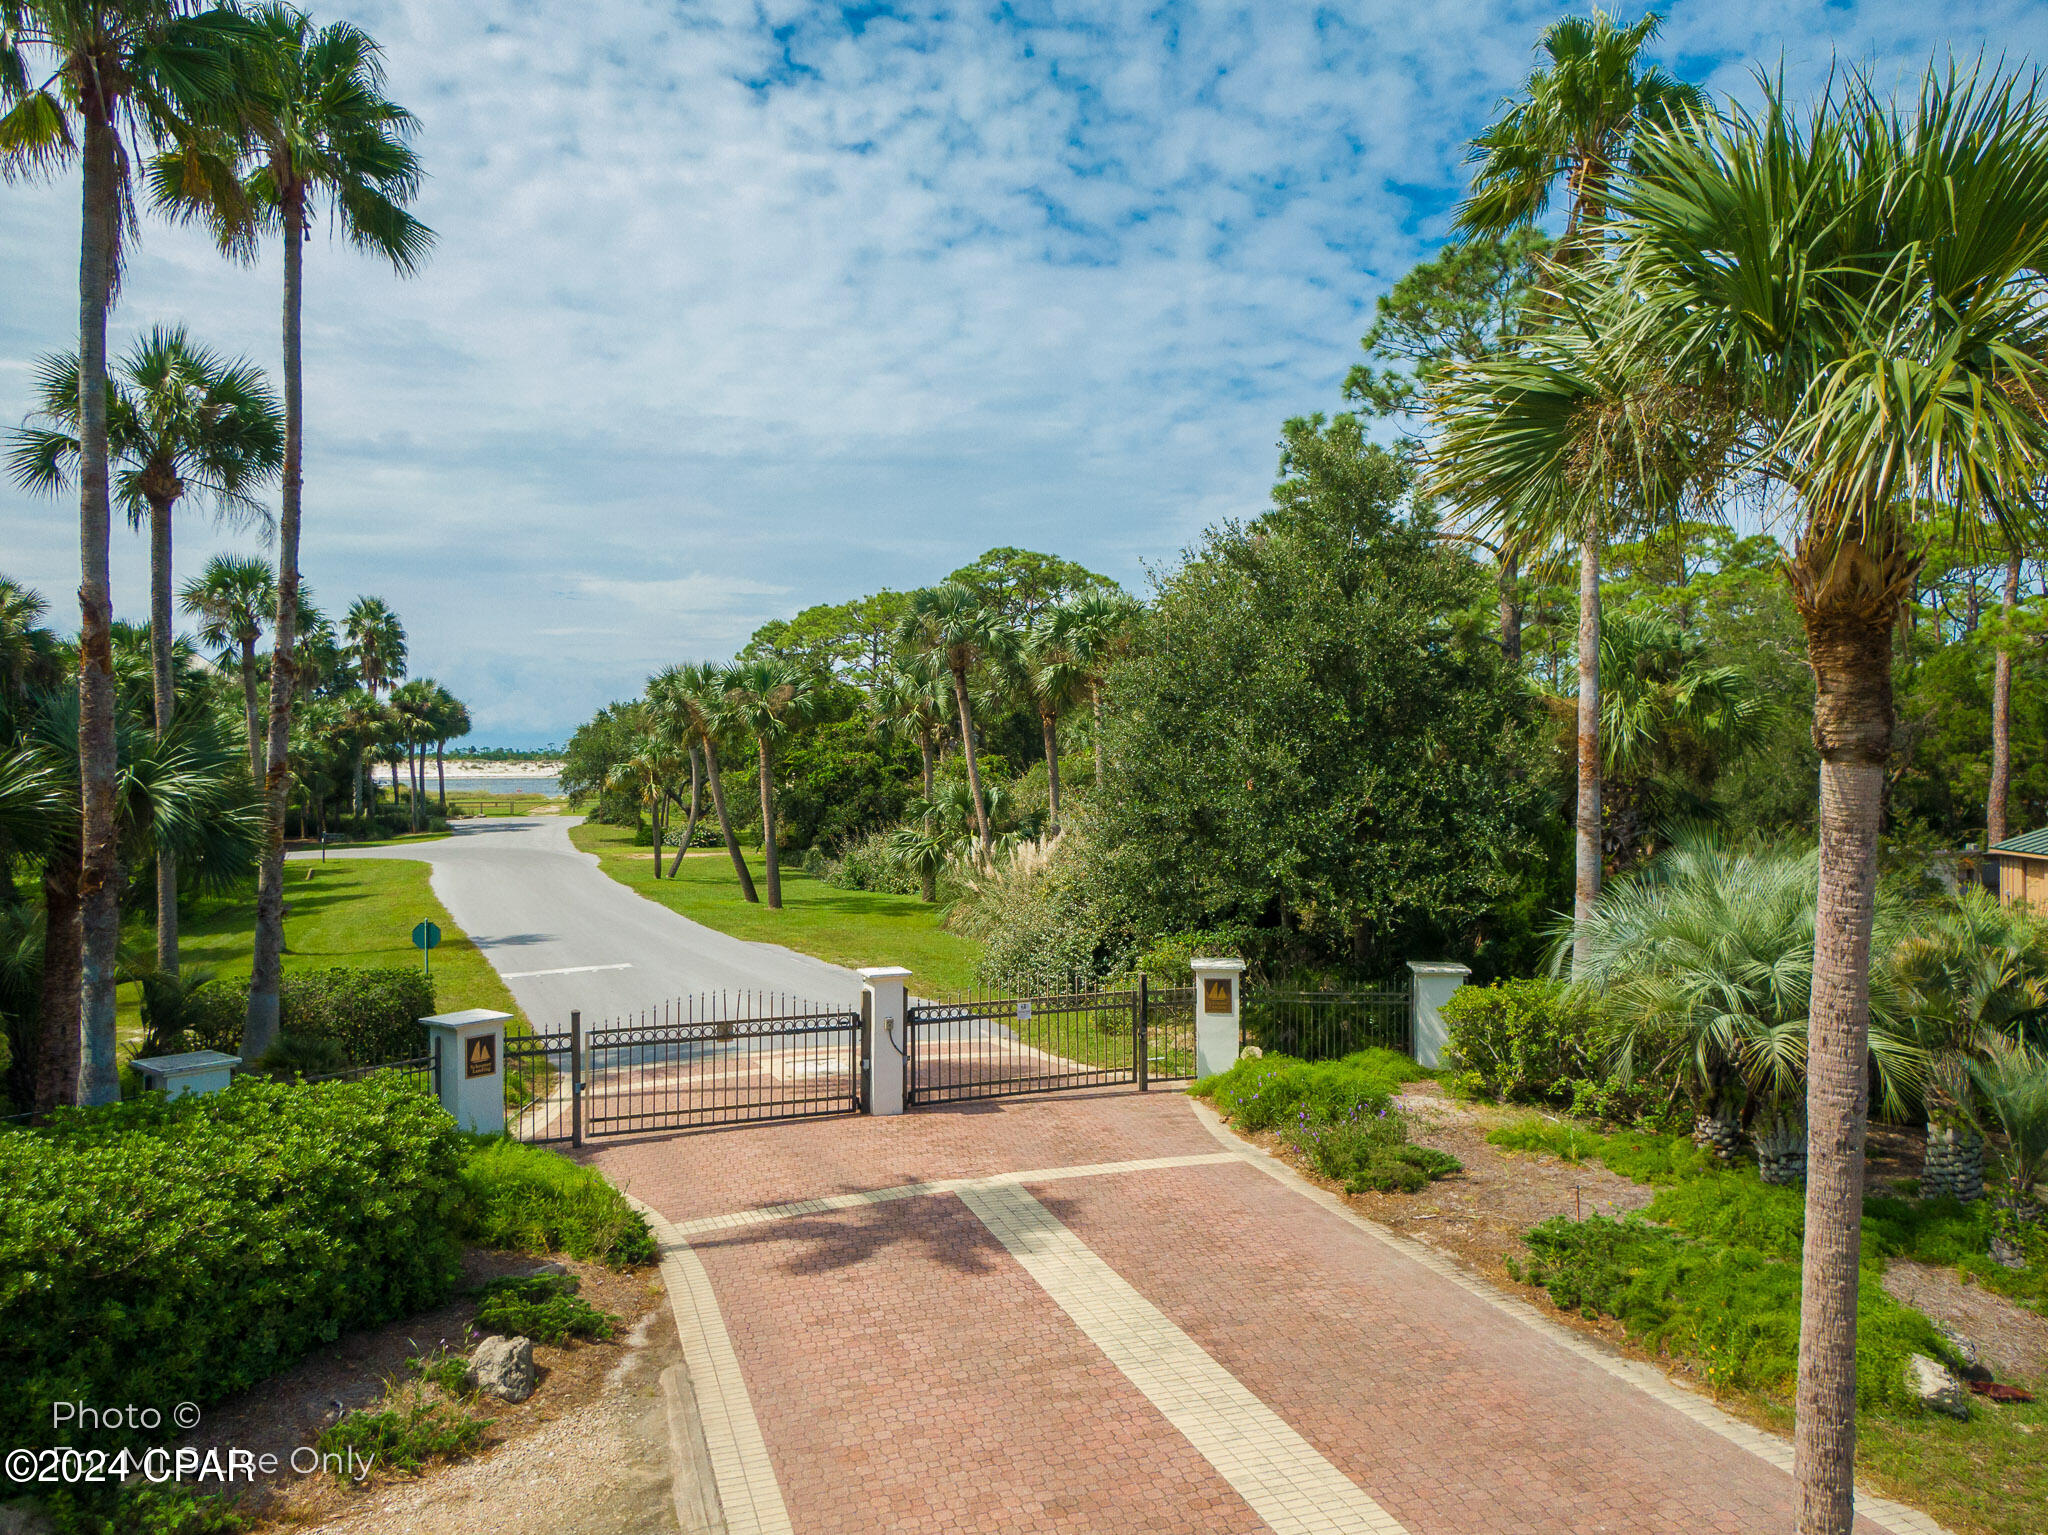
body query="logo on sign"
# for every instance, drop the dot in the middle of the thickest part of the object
(482, 1060)
(1215, 995)
(1023, 1012)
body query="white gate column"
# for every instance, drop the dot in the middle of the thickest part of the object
(1219, 985)
(1431, 986)
(885, 1037)
(469, 1063)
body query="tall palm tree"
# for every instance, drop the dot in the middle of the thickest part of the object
(1095, 628)
(314, 128)
(1580, 112)
(768, 699)
(954, 626)
(181, 421)
(689, 701)
(376, 642)
(89, 80)
(1052, 675)
(451, 723)
(914, 701)
(1864, 288)
(414, 704)
(232, 599)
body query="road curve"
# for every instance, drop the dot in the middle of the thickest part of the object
(565, 935)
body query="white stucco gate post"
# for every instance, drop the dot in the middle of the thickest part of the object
(1430, 987)
(1219, 999)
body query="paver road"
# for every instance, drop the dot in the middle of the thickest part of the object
(1092, 1312)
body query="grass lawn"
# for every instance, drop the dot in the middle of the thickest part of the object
(842, 927)
(349, 912)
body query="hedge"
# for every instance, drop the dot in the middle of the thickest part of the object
(1262, 1091)
(161, 1250)
(372, 1015)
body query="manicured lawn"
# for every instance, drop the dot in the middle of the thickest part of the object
(349, 912)
(842, 927)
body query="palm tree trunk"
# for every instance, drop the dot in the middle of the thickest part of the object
(99, 841)
(1587, 884)
(249, 709)
(732, 845)
(768, 853)
(2001, 715)
(441, 775)
(930, 753)
(355, 808)
(1048, 722)
(1848, 596)
(690, 825)
(973, 763)
(165, 700)
(259, 1031)
(57, 1054)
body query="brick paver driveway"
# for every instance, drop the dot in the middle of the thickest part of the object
(1148, 1330)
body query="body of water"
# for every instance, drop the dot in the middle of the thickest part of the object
(496, 783)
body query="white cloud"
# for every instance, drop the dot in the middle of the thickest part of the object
(742, 306)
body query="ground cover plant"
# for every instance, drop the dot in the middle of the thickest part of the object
(530, 1199)
(1260, 1092)
(412, 1428)
(543, 1307)
(179, 1250)
(1370, 1151)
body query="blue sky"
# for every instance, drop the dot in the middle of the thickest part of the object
(741, 305)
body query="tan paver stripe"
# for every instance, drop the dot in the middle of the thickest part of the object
(750, 1496)
(1279, 1473)
(711, 1223)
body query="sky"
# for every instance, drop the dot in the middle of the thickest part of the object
(742, 305)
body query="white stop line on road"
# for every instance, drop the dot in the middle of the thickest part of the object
(522, 975)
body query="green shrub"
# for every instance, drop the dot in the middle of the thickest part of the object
(372, 1015)
(545, 1308)
(866, 863)
(530, 1199)
(165, 1250)
(144, 1509)
(1167, 962)
(1529, 1041)
(1732, 1311)
(1573, 1143)
(1370, 1150)
(1262, 1091)
(405, 1436)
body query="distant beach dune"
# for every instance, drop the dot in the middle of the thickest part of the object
(470, 767)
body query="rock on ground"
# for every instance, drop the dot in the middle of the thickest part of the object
(1936, 1388)
(503, 1367)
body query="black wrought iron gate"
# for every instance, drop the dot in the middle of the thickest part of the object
(990, 1047)
(724, 1059)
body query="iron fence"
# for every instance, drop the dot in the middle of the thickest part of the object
(540, 1095)
(1322, 1025)
(421, 1071)
(973, 1045)
(720, 1059)
(1169, 1033)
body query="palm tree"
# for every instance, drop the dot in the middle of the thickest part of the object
(89, 79)
(180, 420)
(363, 721)
(2012, 1082)
(1864, 289)
(951, 624)
(1974, 970)
(1581, 111)
(376, 642)
(451, 723)
(913, 701)
(1095, 629)
(1052, 674)
(689, 703)
(1704, 964)
(232, 599)
(414, 705)
(767, 699)
(314, 126)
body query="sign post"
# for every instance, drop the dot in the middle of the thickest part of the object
(427, 938)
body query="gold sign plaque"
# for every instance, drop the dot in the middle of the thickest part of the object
(482, 1059)
(1215, 995)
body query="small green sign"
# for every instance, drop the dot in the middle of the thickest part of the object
(427, 938)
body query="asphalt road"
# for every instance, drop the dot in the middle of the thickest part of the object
(565, 935)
